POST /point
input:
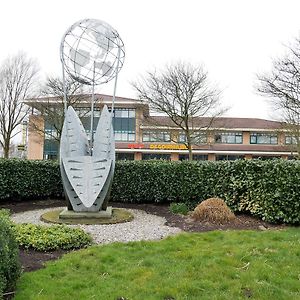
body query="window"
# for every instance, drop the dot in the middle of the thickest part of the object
(290, 140)
(156, 136)
(50, 149)
(263, 138)
(197, 138)
(195, 157)
(123, 124)
(229, 157)
(50, 144)
(229, 138)
(50, 131)
(148, 156)
(269, 157)
(124, 156)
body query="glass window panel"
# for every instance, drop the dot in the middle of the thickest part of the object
(181, 138)
(131, 113)
(230, 139)
(148, 156)
(239, 139)
(131, 137)
(117, 124)
(124, 136)
(218, 138)
(253, 139)
(118, 113)
(131, 125)
(290, 140)
(146, 137)
(124, 126)
(124, 156)
(263, 138)
(118, 136)
(153, 136)
(227, 138)
(124, 113)
(274, 140)
(167, 137)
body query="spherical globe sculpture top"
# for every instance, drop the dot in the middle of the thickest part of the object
(92, 52)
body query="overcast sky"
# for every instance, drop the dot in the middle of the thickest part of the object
(233, 39)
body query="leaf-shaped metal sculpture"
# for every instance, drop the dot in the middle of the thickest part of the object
(87, 177)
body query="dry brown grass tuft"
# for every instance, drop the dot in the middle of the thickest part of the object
(213, 210)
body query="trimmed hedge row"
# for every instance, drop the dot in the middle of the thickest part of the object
(27, 179)
(268, 189)
(10, 268)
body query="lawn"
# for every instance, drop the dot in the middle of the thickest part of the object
(213, 265)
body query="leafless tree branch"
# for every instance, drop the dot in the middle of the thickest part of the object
(182, 92)
(282, 87)
(18, 76)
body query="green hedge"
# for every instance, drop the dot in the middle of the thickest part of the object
(267, 189)
(28, 179)
(10, 268)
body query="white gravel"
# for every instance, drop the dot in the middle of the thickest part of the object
(143, 227)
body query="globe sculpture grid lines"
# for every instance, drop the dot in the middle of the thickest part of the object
(92, 53)
(90, 43)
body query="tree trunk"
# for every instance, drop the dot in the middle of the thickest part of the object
(190, 153)
(6, 149)
(189, 145)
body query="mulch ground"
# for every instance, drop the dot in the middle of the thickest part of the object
(32, 260)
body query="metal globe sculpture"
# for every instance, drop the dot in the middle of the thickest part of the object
(92, 53)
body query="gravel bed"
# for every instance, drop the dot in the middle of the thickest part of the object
(143, 227)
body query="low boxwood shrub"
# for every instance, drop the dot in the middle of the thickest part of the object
(179, 208)
(10, 267)
(47, 238)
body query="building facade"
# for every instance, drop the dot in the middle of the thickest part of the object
(140, 136)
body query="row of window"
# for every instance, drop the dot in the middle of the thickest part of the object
(162, 156)
(220, 138)
(124, 123)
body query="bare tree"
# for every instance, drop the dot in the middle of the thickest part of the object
(50, 105)
(282, 86)
(18, 76)
(182, 92)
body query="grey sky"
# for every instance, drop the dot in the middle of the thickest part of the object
(234, 39)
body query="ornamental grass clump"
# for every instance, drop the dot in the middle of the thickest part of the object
(213, 210)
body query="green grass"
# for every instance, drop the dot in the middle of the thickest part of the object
(214, 265)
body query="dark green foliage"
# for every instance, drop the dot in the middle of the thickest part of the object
(267, 189)
(27, 179)
(47, 238)
(179, 208)
(9, 255)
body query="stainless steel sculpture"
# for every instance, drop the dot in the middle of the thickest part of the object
(92, 53)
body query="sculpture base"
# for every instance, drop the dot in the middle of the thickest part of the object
(71, 214)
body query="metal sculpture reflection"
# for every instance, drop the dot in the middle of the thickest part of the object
(91, 53)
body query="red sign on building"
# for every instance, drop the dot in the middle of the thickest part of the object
(136, 146)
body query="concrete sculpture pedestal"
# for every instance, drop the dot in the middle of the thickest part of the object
(102, 214)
